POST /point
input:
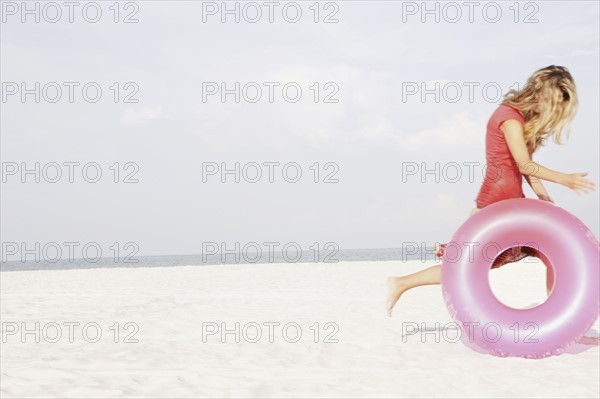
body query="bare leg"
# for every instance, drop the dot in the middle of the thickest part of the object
(399, 285)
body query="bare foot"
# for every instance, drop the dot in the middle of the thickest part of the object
(396, 287)
(588, 341)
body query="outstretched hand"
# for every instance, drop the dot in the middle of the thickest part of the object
(578, 183)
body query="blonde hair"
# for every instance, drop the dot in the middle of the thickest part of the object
(552, 92)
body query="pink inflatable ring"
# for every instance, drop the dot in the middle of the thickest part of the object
(563, 243)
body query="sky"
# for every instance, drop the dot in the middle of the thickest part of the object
(162, 138)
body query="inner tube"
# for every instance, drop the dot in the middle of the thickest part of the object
(561, 241)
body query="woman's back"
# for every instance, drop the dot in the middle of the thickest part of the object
(503, 178)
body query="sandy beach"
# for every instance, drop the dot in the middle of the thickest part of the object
(153, 153)
(304, 330)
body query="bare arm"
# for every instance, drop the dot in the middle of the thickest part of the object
(538, 188)
(513, 132)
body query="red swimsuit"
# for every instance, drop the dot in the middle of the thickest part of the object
(502, 178)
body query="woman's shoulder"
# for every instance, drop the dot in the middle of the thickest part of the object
(506, 111)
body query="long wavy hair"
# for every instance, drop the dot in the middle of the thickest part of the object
(548, 103)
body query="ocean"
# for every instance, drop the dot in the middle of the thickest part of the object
(322, 257)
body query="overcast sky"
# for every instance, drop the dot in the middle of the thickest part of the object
(365, 62)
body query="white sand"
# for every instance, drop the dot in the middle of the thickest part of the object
(170, 360)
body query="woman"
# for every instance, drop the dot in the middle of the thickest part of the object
(519, 126)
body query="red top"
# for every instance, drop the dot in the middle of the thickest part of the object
(502, 179)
